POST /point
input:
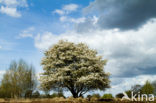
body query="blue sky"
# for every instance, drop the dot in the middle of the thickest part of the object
(38, 15)
(122, 32)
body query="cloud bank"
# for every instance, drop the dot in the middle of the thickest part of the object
(129, 53)
(122, 14)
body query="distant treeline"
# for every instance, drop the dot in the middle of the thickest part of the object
(20, 81)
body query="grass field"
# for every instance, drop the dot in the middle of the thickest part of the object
(61, 100)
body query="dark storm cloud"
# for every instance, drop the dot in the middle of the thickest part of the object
(123, 14)
(132, 72)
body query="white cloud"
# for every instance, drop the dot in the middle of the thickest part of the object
(78, 20)
(14, 3)
(122, 84)
(45, 41)
(119, 85)
(10, 7)
(10, 11)
(9, 2)
(63, 18)
(27, 33)
(66, 9)
(2, 72)
(72, 20)
(0, 46)
(60, 12)
(132, 52)
(70, 7)
(89, 24)
(24, 35)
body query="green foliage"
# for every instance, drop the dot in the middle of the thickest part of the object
(60, 94)
(28, 94)
(96, 96)
(18, 81)
(57, 95)
(36, 94)
(89, 96)
(147, 88)
(5, 91)
(154, 86)
(46, 92)
(128, 92)
(119, 95)
(54, 95)
(73, 67)
(136, 88)
(107, 96)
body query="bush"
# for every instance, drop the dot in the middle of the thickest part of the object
(89, 97)
(60, 94)
(128, 92)
(28, 94)
(120, 95)
(36, 94)
(107, 96)
(96, 96)
(57, 95)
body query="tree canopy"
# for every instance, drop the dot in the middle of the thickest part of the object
(73, 67)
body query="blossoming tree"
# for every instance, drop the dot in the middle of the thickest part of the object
(73, 67)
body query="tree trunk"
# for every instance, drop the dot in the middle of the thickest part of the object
(75, 95)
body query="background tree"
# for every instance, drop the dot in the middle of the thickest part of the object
(128, 92)
(147, 88)
(36, 94)
(57, 95)
(136, 88)
(154, 86)
(19, 80)
(73, 67)
(46, 92)
(5, 88)
(119, 95)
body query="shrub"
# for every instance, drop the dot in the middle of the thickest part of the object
(119, 95)
(28, 94)
(57, 95)
(96, 96)
(89, 97)
(128, 92)
(36, 94)
(107, 96)
(60, 94)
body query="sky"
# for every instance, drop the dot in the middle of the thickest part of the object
(122, 31)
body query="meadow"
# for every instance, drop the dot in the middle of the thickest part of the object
(63, 100)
